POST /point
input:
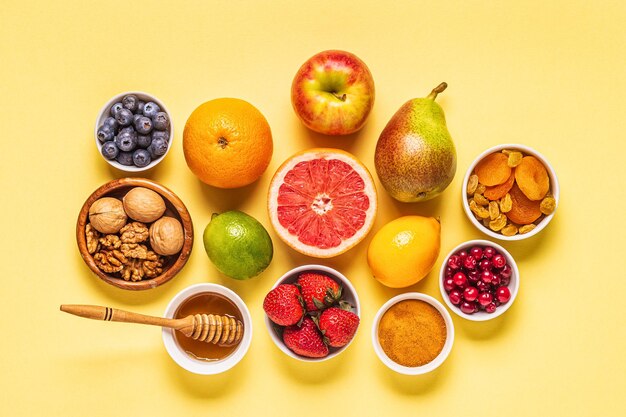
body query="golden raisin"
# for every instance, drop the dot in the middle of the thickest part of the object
(509, 230)
(480, 211)
(494, 210)
(548, 204)
(506, 203)
(480, 189)
(526, 228)
(498, 224)
(480, 199)
(514, 159)
(472, 184)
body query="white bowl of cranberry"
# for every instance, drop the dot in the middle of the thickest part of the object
(312, 313)
(134, 131)
(479, 280)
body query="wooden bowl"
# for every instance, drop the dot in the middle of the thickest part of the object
(174, 208)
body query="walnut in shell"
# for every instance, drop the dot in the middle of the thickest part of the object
(107, 215)
(166, 236)
(143, 205)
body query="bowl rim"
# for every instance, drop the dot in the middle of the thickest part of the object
(167, 194)
(194, 365)
(445, 351)
(103, 114)
(554, 187)
(344, 281)
(513, 285)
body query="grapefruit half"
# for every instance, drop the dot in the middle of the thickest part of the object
(322, 202)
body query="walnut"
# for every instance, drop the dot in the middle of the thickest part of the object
(110, 242)
(133, 270)
(92, 236)
(166, 236)
(143, 205)
(134, 232)
(107, 215)
(110, 261)
(134, 250)
(153, 268)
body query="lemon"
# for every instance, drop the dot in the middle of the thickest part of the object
(404, 250)
(238, 245)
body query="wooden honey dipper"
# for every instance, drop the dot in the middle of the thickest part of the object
(210, 328)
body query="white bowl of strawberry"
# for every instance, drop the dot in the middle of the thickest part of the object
(312, 313)
(479, 280)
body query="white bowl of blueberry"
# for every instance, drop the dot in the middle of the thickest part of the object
(134, 131)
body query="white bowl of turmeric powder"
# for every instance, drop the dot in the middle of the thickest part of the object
(412, 333)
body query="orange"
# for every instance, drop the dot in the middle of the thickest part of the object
(227, 143)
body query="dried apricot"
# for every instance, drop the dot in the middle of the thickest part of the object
(480, 211)
(497, 224)
(526, 228)
(493, 169)
(515, 158)
(480, 199)
(548, 204)
(498, 191)
(472, 184)
(506, 203)
(523, 210)
(532, 178)
(509, 230)
(494, 210)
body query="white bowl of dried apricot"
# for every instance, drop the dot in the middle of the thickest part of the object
(510, 192)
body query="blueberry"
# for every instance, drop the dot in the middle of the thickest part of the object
(125, 158)
(143, 141)
(151, 109)
(111, 122)
(143, 125)
(130, 102)
(124, 117)
(129, 129)
(135, 117)
(110, 150)
(158, 147)
(141, 158)
(126, 141)
(161, 134)
(161, 121)
(105, 133)
(140, 105)
(115, 108)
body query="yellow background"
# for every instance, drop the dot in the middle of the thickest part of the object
(548, 74)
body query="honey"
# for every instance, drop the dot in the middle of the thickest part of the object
(207, 303)
(412, 333)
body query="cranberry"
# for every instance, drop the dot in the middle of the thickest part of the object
(496, 280)
(469, 263)
(504, 281)
(498, 261)
(449, 272)
(473, 276)
(490, 308)
(488, 252)
(454, 262)
(455, 297)
(506, 271)
(503, 294)
(470, 294)
(460, 280)
(485, 298)
(484, 265)
(467, 307)
(486, 276)
(448, 284)
(462, 254)
(477, 252)
(482, 286)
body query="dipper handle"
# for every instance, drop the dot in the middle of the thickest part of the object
(114, 314)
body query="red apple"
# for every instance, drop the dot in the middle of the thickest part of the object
(333, 93)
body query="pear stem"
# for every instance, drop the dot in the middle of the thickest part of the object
(439, 89)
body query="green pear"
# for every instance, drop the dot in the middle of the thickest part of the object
(415, 157)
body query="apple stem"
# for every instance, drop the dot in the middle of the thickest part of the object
(439, 89)
(340, 97)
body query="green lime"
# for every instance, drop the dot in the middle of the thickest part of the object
(237, 244)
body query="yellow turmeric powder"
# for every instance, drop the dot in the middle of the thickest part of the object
(412, 333)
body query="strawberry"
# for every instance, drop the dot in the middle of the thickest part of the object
(283, 305)
(305, 340)
(338, 326)
(318, 291)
